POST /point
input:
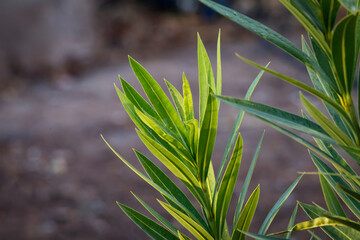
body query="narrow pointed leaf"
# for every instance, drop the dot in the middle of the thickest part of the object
(308, 25)
(246, 216)
(351, 203)
(331, 200)
(153, 229)
(236, 128)
(336, 106)
(344, 50)
(326, 221)
(160, 218)
(329, 9)
(159, 100)
(349, 192)
(247, 183)
(179, 169)
(291, 222)
(333, 130)
(173, 144)
(259, 29)
(261, 237)
(160, 178)
(193, 126)
(274, 210)
(188, 100)
(193, 227)
(227, 185)
(148, 180)
(335, 232)
(137, 100)
(207, 137)
(177, 99)
(218, 69)
(279, 116)
(206, 78)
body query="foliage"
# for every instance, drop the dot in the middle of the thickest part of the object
(330, 55)
(184, 145)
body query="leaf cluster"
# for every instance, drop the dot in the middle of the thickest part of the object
(330, 54)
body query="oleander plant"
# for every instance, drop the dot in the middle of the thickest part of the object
(330, 52)
(184, 144)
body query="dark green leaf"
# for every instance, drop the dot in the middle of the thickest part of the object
(331, 200)
(160, 178)
(274, 210)
(247, 183)
(153, 229)
(279, 116)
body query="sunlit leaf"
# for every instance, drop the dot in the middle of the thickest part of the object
(246, 216)
(331, 200)
(193, 227)
(207, 137)
(227, 185)
(178, 100)
(160, 178)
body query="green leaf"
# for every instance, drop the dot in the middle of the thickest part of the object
(218, 70)
(291, 222)
(227, 185)
(149, 181)
(153, 229)
(345, 50)
(279, 116)
(274, 210)
(332, 129)
(193, 126)
(349, 192)
(207, 137)
(262, 237)
(188, 100)
(336, 106)
(331, 200)
(178, 100)
(323, 86)
(172, 144)
(351, 203)
(326, 221)
(193, 227)
(178, 168)
(246, 216)
(159, 100)
(329, 10)
(313, 30)
(160, 178)
(182, 236)
(137, 100)
(236, 128)
(247, 183)
(160, 218)
(311, 10)
(335, 232)
(259, 29)
(206, 78)
(351, 5)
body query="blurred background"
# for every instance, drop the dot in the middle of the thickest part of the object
(58, 62)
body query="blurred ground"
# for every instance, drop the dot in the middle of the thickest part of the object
(58, 180)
